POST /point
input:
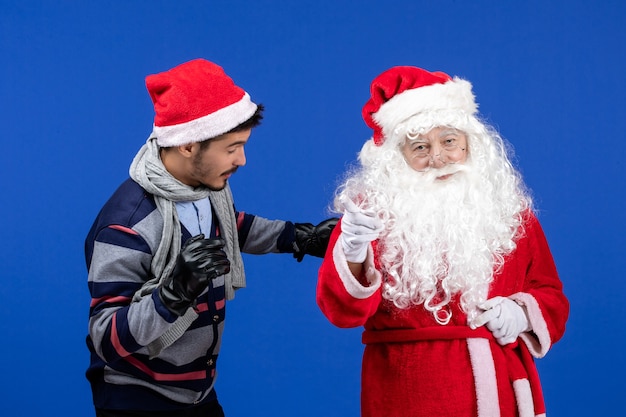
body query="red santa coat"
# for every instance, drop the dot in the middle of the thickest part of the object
(414, 367)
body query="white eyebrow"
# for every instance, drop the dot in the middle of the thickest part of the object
(449, 131)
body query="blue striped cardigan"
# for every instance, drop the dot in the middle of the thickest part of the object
(118, 252)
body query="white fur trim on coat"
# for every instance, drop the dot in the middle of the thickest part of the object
(538, 340)
(524, 398)
(350, 283)
(487, 399)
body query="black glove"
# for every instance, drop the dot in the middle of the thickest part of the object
(312, 240)
(199, 261)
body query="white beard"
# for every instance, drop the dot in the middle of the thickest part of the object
(442, 237)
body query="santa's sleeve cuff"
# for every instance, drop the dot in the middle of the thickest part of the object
(350, 283)
(538, 339)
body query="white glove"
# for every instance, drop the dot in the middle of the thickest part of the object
(504, 318)
(358, 229)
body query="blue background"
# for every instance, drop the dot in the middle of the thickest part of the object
(74, 111)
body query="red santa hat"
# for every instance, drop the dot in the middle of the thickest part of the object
(402, 92)
(196, 101)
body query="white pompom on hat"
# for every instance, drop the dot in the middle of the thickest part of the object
(404, 91)
(196, 101)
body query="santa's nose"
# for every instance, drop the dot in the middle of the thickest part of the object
(436, 161)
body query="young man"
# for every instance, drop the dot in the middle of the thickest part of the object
(164, 253)
(441, 258)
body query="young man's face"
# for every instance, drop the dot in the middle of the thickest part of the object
(213, 165)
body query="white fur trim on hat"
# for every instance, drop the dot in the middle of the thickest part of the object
(206, 127)
(454, 94)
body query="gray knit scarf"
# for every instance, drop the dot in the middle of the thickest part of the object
(148, 171)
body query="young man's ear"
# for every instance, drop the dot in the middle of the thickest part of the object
(187, 150)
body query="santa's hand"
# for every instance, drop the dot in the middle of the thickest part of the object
(358, 229)
(504, 318)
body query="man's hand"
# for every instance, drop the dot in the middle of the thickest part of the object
(199, 261)
(358, 229)
(313, 240)
(504, 318)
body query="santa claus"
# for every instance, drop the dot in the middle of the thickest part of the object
(440, 257)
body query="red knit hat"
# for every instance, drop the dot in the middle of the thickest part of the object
(401, 92)
(196, 101)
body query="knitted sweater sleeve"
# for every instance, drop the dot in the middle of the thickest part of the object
(118, 326)
(258, 235)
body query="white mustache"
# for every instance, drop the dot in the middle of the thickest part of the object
(431, 175)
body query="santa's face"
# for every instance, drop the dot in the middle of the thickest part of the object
(435, 149)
